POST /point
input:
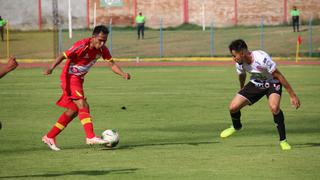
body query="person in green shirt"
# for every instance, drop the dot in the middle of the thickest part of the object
(2, 24)
(140, 20)
(295, 18)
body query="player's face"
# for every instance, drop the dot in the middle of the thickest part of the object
(99, 40)
(238, 57)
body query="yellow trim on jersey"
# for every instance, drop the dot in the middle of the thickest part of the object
(79, 94)
(85, 121)
(59, 126)
(65, 55)
(108, 60)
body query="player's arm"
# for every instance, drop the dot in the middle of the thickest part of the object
(56, 62)
(116, 69)
(10, 66)
(293, 97)
(242, 79)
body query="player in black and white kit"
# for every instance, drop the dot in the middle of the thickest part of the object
(265, 79)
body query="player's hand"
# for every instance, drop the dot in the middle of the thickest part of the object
(47, 71)
(12, 63)
(126, 76)
(295, 102)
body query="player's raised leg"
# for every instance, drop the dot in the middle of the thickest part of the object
(236, 104)
(63, 121)
(274, 105)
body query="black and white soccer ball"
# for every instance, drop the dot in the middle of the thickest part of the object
(112, 136)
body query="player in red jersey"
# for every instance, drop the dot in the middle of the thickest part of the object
(80, 57)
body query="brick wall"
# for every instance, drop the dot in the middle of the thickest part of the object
(221, 12)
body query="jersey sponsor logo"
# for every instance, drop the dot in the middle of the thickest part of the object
(260, 68)
(79, 70)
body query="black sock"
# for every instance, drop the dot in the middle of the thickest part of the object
(279, 120)
(236, 120)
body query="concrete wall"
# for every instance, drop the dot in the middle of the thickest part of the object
(23, 14)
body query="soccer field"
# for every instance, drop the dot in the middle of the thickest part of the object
(169, 130)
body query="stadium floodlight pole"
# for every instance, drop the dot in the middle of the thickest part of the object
(70, 19)
(310, 36)
(212, 39)
(262, 33)
(161, 43)
(203, 16)
(94, 14)
(110, 35)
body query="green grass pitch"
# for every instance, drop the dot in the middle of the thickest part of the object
(169, 130)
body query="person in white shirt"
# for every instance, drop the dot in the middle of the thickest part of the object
(265, 79)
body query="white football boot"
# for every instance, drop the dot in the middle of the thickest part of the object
(51, 142)
(95, 140)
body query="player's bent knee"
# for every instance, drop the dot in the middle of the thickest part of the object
(81, 103)
(71, 113)
(275, 109)
(233, 108)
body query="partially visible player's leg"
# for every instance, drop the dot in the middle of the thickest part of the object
(142, 31)
(248, 95)
(138, 30)
(236, 104)
(64, 119)
(1, 32)
(61, 124)
(297, 23)
(274, 105)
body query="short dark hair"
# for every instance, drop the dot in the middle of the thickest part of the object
(238, 45)
(101, 28)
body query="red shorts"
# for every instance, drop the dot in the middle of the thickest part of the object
(72, 89)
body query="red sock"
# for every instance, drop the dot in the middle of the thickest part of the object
(62, 122)
(85, 118)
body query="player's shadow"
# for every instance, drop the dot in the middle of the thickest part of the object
(87, 173)
(304, 145)
(132, 146)
(307, 145)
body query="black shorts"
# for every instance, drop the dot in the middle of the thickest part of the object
(254, 92)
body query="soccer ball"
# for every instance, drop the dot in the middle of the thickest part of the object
(112, 136)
